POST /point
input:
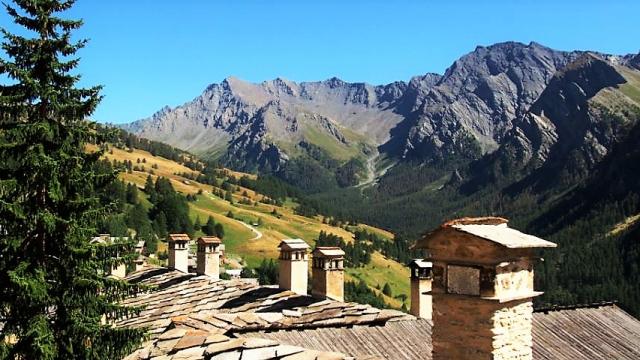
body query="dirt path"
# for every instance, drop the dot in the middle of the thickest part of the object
(255, 231)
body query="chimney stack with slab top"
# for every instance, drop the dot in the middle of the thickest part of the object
(179, 252)
(294, 265)
(420, 288)
(482, 289)
(208, 256)
(328, 273)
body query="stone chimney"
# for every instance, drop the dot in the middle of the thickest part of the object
(294, 265)
(420, 288)
(482, 289)
(208, 261)
(179, 252)
(328, 273)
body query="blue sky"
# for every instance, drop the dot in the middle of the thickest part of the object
(151, 53)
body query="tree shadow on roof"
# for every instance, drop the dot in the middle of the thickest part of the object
(251, 296)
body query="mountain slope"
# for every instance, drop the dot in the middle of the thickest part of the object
(261, 125)
(257, 226)
(465, 112)
(478, 98)
(583, 112)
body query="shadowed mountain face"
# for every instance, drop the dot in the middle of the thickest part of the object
(467, 111)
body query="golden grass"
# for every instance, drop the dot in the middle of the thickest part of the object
(288, 225)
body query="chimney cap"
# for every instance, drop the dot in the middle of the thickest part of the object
(328, 251)
(420, 263)
(484, 220)
(209, 240)
(493, 229)
(178, 237)
(293, 244)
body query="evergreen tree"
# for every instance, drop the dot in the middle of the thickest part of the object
(54, 293)
(132, 193)
(149, 187)
(210, 227)
(219, 230)
(196, 224)
(386, 289)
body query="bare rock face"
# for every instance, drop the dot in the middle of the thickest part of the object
(568, 130)
(479, 96)
(249, 125)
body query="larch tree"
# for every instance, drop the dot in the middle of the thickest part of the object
(57, 302)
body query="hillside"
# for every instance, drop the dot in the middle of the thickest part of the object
(248, 243)
(526, 132)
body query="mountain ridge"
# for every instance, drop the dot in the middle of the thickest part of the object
(464, 113)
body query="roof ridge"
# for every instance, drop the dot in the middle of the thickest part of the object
(554, 307)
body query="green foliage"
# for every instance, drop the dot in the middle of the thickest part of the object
(219, 230)
(357, 253)
(359, 292)
(54, 292)
(267, 272)
(210, 227)
(386, 289)
(170, 208)
(350, 173)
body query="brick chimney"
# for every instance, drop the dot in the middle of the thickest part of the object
(208, 257)
(482, 289)
(420, 288)
(328, 273)
(179, 252)
(294, 265)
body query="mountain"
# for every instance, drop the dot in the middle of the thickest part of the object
(478, 98)
(465, 112)
(587, 108)
(546, 138)
(260, 126)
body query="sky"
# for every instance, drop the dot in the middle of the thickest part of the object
(152, 53)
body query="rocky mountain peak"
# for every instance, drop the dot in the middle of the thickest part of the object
(478, 98)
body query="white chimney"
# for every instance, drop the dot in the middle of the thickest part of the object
(208, 257)
(420, 288)
(179, 252)
(328, 273)
(294, 265)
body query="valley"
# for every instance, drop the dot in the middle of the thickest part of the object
(256, 229)
(514, 130)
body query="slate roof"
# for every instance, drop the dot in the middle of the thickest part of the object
(593, 332)
(184, 342)
(209, 240)
(494, 229)
(420, 263)
(195, 317)
(504, 235)
(228, 306)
